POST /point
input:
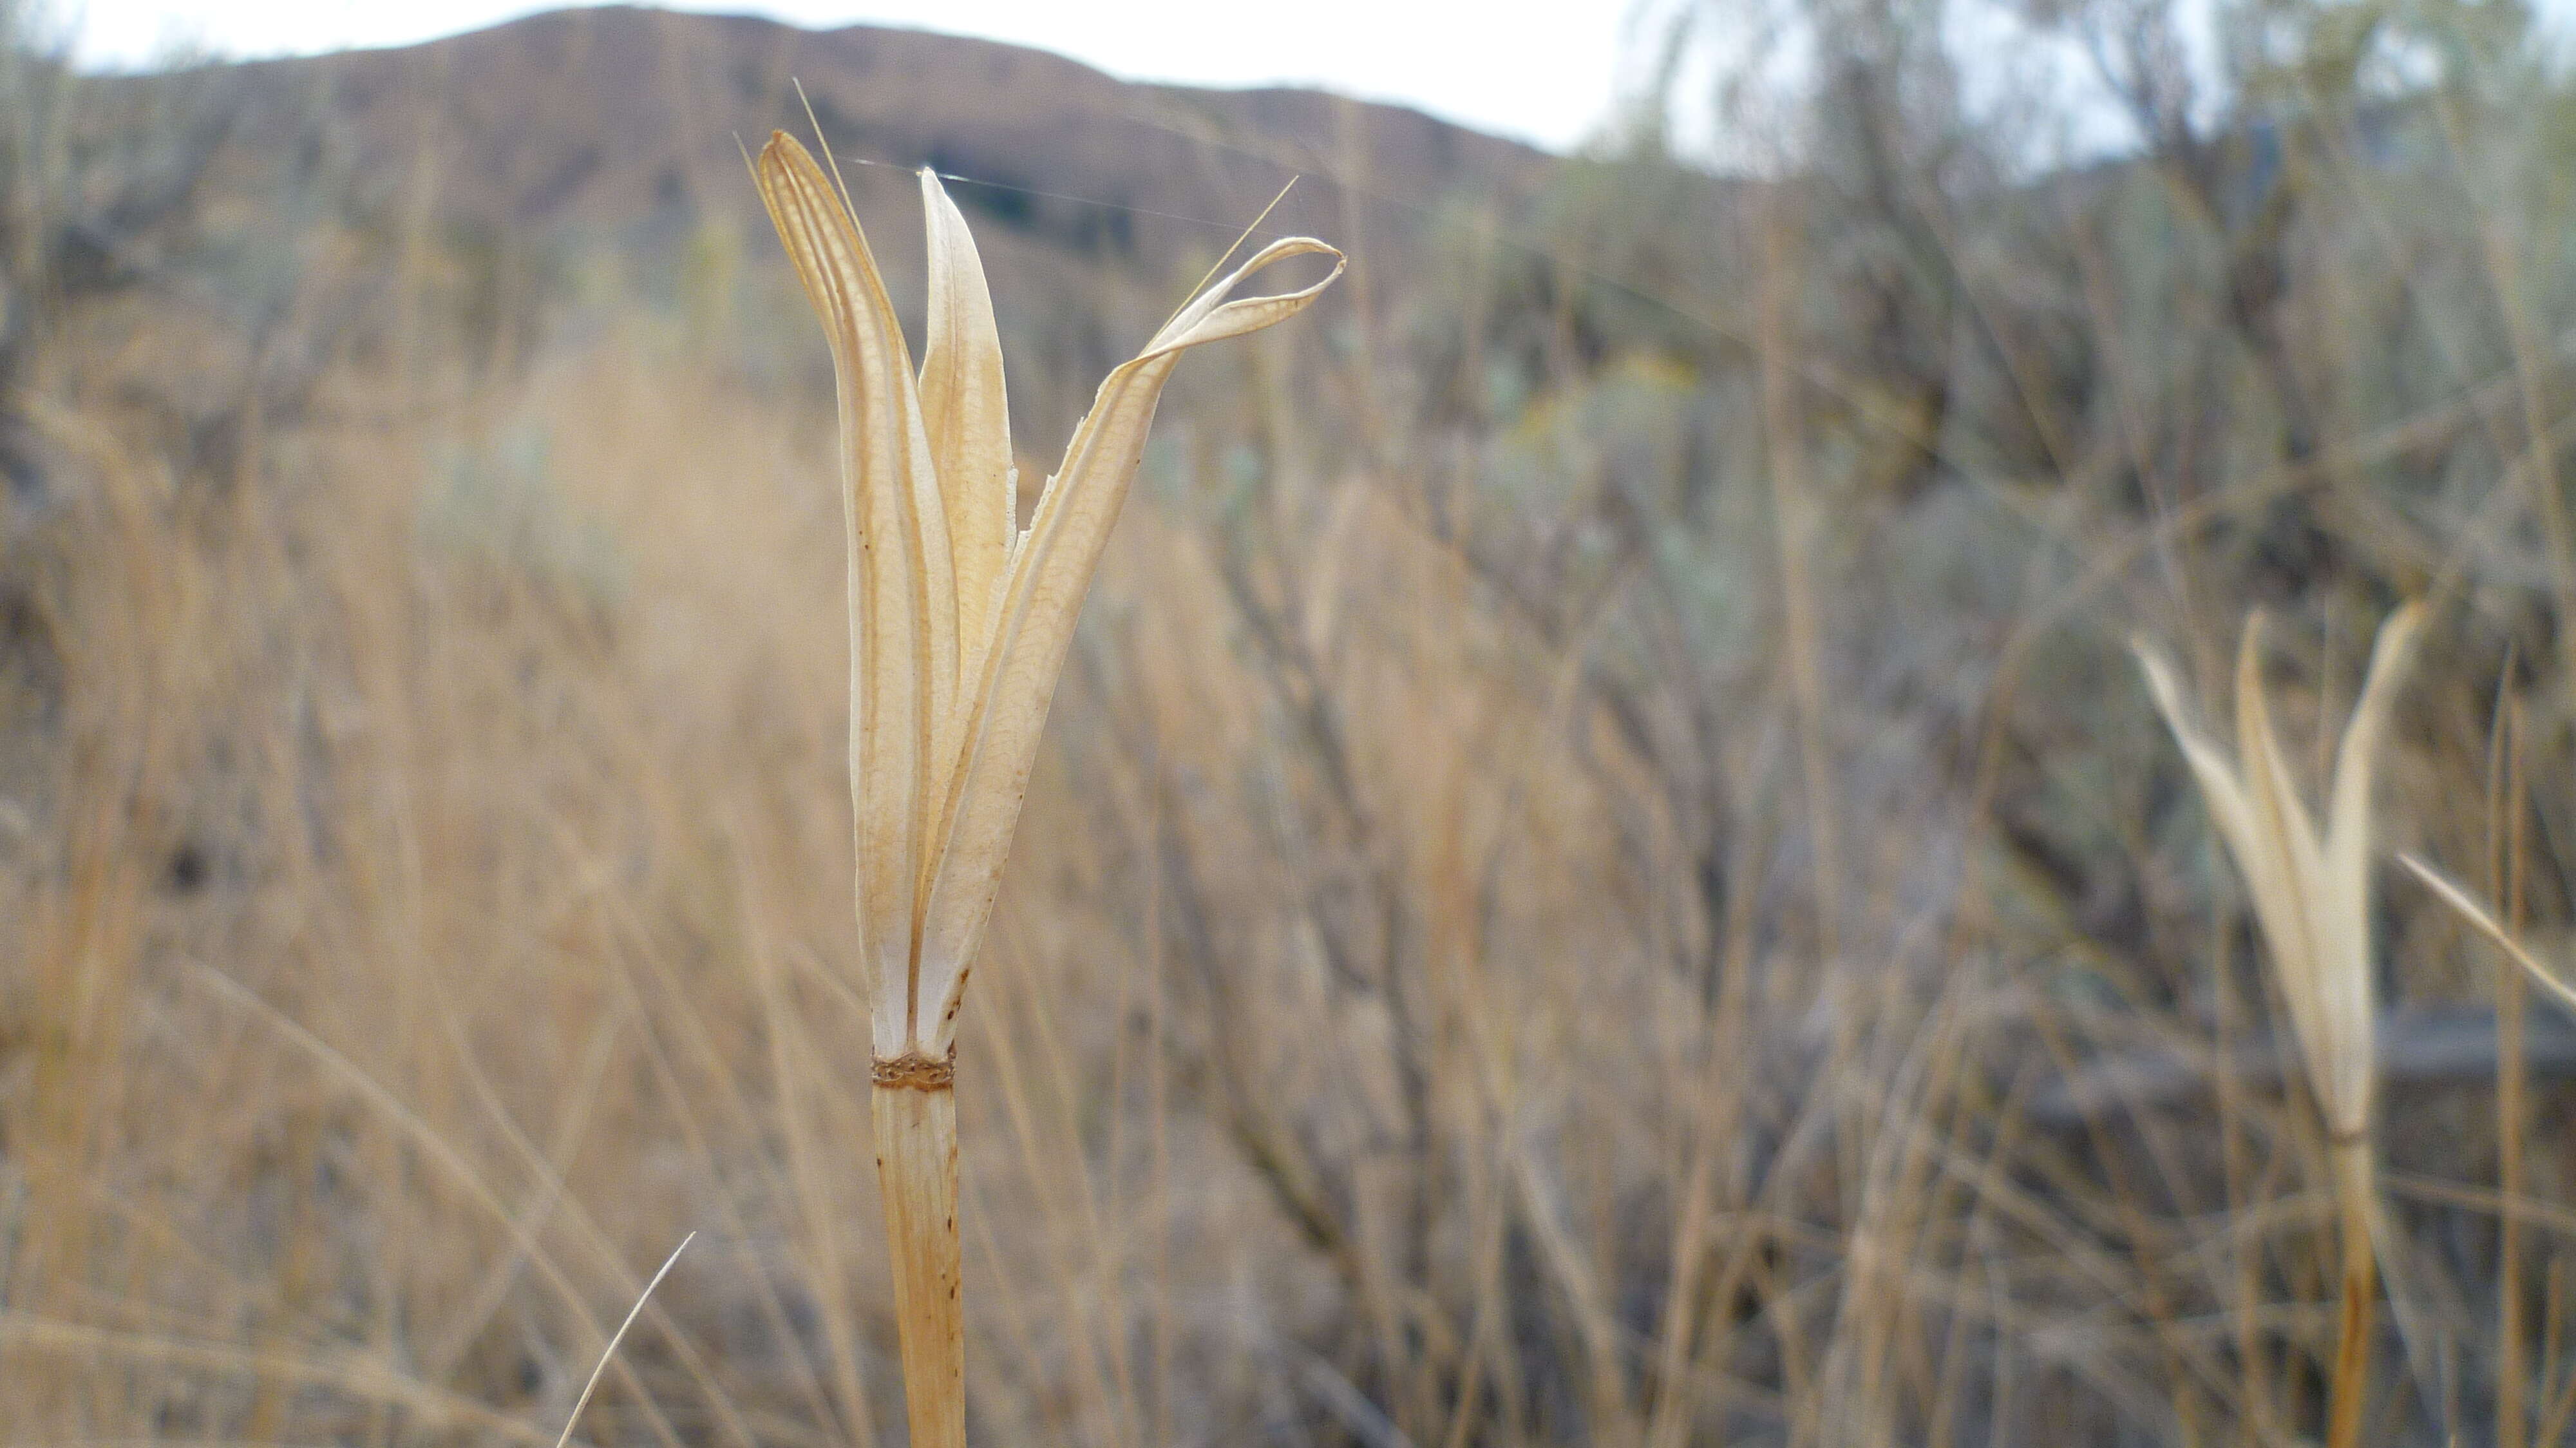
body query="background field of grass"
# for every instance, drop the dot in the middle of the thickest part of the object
(1603, 872)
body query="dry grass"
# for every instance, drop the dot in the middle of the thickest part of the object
(1623, 891)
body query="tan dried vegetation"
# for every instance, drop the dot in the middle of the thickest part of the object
(1594, 869)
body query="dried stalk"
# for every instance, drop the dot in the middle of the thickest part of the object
(2355, 1197)
(2311, 894)
(959, 622)
(916, 1132)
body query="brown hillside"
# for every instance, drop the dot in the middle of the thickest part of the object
(623, 121)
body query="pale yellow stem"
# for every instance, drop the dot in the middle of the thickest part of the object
(915, 1110)
(2354, 1186)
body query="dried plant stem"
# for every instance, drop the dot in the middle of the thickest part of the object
(2311, 892)
(2351, 1390)
(916, 1139)
(959, 622)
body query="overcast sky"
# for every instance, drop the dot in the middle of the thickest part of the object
(1546, 71)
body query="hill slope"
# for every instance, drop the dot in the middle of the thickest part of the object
(624, 121)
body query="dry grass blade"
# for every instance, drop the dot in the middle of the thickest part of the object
(2295, 899)
(965, 410)
(1050, 573)
(592, 1384)
(2450, 893)
(903, 610)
